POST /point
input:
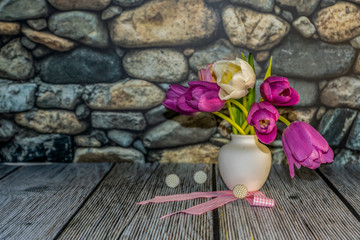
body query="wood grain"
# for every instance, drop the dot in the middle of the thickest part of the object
(305, 208)
(6, 169)
(346, 179)
(37, 201)
(111, 212)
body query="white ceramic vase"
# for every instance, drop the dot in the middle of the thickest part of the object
(244, 160)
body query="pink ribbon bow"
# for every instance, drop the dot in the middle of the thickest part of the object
(221, 198)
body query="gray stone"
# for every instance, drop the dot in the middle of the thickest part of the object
(86, 141)
(158, 115)
(287, 16)
(128, 3)
(346, 156)
(304, 58)
(225, 129)
(277, 10)
(320, 113)
(188, 52)
(353, 141)
(67, 5)
(119, 51)
(30, 147)
(221, 49)
(308, 91)
(12, 10)
(59, 96)
(251, 29)
(302, 7)
(118, 120)
(138, 144)
(108, 154)
(83, 65)
(181, 130)
(335, 124)
(37, 24)
(260, 5)
(122, 138)
(164, 23)
(17, 97)
(41, 51)
(7, 130)
(198, 153)
(278, 156)
(111, 12)
(131, 94)
(298, 114)
(15, 61)
(304, 26)
(262, 56)
(82, 111)
(342, 92)
(27, 43)
(157, 65)
(85, 27)
(100, 136)
(327, 3)
(355, 42)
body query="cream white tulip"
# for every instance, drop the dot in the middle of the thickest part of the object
(234, 78)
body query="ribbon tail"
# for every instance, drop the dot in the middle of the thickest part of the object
(189, 196)
(258, 199)
(206, 206)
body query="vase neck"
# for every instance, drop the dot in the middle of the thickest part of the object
(244, 139)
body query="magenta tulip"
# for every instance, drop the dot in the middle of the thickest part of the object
(199, 97)
(303, 145)
(263, 117)
(277, 91)
(206, 74)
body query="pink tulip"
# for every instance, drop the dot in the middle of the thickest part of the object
(206, 74)
(263, 117)
(199, 97)
(303, 145)
(277, 91)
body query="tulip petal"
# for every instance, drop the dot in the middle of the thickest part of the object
(178, 89)
(270, 108)
(328, 157)
(317, 139)
(210, 102)
(299, 140)
(291, 159)
(265, 91)
(274, 79)
(294, 99)
(183, 106)
(253, 109)
(207, 85)
(267, 138)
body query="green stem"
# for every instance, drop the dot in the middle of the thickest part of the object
(243, 109)
(248, 129)
(252, 130)
(244, 125)
(230, 121)
(231, 116)
(284, 120)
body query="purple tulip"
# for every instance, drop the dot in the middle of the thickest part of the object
(263, 117)
(303, 145)
(199, 97)
(207, 74)
(277, 91)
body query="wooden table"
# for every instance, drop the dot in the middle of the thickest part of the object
(97, 201)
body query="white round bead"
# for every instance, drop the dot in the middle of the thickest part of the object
(172, 180)
(200, 177)
(240, 191)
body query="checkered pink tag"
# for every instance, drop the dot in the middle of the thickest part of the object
(220, 198)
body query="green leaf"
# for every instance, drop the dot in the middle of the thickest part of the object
(268, 71)
(251, 61)
(243, 57)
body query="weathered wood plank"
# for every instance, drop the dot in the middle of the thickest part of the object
(6, 169)
(346, 179)
(37, 201)
(111, 213)
(305, 208)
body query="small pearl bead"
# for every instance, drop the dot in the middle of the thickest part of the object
(240, 191)
(172, 180)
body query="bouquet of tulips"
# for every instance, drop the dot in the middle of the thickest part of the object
(232, 83)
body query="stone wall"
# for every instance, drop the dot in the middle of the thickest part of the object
(84, 80)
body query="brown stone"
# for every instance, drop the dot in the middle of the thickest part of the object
(342, 92)
(262, 56)
(303, 7)
(79, 4)
(108, 154)
(251, 29)
(9, 28)
(339, 22)
(48, 39)
(134, 94)
(357, 65)
(298, 114)
(51, 121)
(200, 153)
(179, 22)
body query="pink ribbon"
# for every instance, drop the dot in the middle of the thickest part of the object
(257, 199)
